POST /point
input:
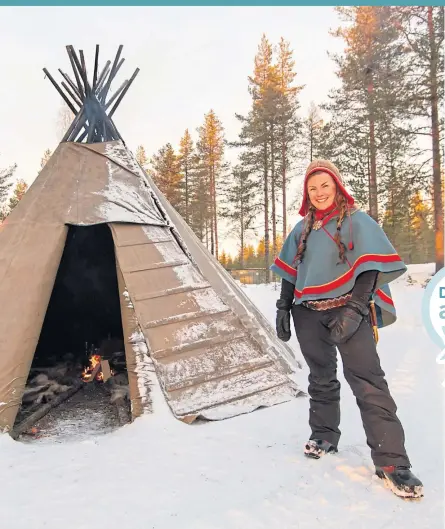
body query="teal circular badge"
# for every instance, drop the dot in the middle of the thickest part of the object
(433, 312)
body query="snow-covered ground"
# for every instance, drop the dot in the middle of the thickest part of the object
(247, 472)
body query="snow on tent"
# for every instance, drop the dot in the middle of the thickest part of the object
(94, 254)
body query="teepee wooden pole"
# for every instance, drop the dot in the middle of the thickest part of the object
(101, 95)
(91, 128)
(57, 87)
(102, 77)
(104, 92)
(81, 71)
(92, 123)
(116, 135)
(84, 72)
(124, 91)
(76, 73)
(96, 66)
(73, 96)
(77, 133)
(118, 67)
(116, 94)
(70, 82)
(79, 118)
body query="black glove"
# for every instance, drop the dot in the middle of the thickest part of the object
(346, 321)
(349, 317)
(283, 319)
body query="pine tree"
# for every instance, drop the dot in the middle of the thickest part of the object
(240, 207)
(370, 38)
(199, 214)
(5, 182)
(288, 123)
(166, 175)
(262, 89)
(267, 99)
(352, 104)
(313, 132)
(345, 141)
(187, 163)
(280, 241)
(210, 149)
(142, 158)
(223, 258)
(370, 112)
(259, 133)
(422, 230)
(19, 190)
(261, 251)
(3, 212)
(396, 219)
(269, 134)
(243, 257)
(423, 30)
(249, 256)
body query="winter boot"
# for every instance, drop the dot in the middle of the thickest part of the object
(316, 448)
(401, 481)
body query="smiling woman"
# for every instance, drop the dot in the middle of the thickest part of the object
(332, 289)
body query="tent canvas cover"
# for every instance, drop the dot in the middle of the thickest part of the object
(187, 325)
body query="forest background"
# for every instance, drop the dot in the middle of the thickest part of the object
(382, 126)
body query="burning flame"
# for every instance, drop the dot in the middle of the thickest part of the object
(87, 372)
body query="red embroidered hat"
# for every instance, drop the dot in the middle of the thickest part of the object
(331, 169)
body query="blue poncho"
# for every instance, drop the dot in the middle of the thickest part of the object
(321, 275)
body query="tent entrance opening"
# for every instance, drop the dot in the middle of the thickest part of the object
(79, 367)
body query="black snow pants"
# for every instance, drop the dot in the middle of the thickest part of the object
(362, 371)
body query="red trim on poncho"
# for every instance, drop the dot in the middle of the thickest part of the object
(347, 276)
(305, 206)
(384, 297)
(284, 266)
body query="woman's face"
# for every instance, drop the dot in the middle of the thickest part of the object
(322, 189)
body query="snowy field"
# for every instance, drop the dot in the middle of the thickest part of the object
(247, 472)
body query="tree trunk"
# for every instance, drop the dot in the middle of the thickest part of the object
(266, 210)
(393, 208)
(395, 219)
(373, 201)
(212, 229)
(311, 143)
(410, 238)
(215, 218)
(437, 185)
(241, 255)
(200, 216)
(186, 194)
(212, 236)
(273, 188)
(368, 165)
(283, 180)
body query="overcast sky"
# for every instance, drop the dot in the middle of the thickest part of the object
(192, 59)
